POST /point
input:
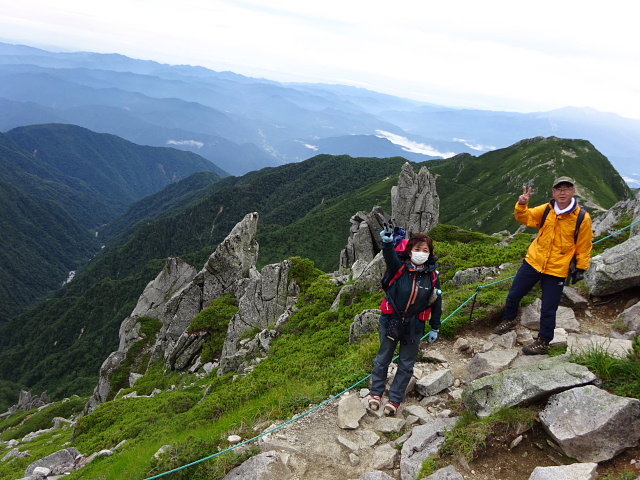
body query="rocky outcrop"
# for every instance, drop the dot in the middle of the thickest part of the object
(179, 293)
(262, 298)
(415, 206)
(615, 270)
(26, 402)
(606, 224)
(175, 276)
(228, 264)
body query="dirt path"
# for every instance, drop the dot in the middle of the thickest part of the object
(317, 456)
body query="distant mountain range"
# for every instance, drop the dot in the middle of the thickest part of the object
(243, 124)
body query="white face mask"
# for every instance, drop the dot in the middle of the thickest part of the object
(419, 258)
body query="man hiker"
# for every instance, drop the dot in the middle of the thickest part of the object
(561, 249)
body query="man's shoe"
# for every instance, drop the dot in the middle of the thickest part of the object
(539, 347)
(505, 326)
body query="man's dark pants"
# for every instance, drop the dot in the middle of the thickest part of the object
(525, 280)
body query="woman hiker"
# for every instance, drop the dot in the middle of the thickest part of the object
(413, 297)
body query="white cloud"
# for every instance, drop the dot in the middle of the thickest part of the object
(631, 180)
(189, 143)
(481, 148)
(411, 146)
(309, 146)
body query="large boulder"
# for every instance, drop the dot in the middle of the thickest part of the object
(630, 320)
(615, 270)
(591, 424)
(529, 383)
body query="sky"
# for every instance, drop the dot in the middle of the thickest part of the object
(508, 55)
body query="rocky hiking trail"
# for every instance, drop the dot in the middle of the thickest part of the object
(315, 447)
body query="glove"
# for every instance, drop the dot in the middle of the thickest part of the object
(387, 234)
(432, 336)
(577, 275)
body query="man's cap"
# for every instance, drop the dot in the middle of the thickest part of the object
(560, 180)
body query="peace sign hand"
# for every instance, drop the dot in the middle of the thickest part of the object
(526, 194)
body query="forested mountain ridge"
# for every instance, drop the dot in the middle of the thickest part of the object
(478, 193)
(62, 182)
(305, 209)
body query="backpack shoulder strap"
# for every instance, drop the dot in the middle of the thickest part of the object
(581, 214)
(546, 212)
(397, 275)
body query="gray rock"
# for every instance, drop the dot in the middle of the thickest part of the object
(364, 238)
(376, 476)
(389, 424)
(415, 203)
(615, 270)
(420, 412)
(491, 362)
(425, 441)
(447, 473)
(350, 411)
(590, 424)
(606, 223)
(265, 466)
(474, 275)
(582, 343)
(384, 457)
(565, 318)
(348, 444)
(575, 471)
(364, 323)
(15, 453)
(524, 384)
(630, 318)
(576, 299)
(61, 457)
(435, 382)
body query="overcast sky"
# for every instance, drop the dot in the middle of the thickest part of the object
(494, 54)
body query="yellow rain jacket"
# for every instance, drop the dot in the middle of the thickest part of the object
(553, 249)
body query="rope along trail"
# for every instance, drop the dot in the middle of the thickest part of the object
(471, 298)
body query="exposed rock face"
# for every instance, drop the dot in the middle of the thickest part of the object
(606, 222)
(616, 269)
(415, 206)
(364, 237)
(262, 298)
(630, 319)
(414, 202)
(175, 275)
(179, 293)
(229, 263)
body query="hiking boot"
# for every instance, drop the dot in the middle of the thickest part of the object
(375, 401)
(391, 408)
(505, 326)
(539, 347)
